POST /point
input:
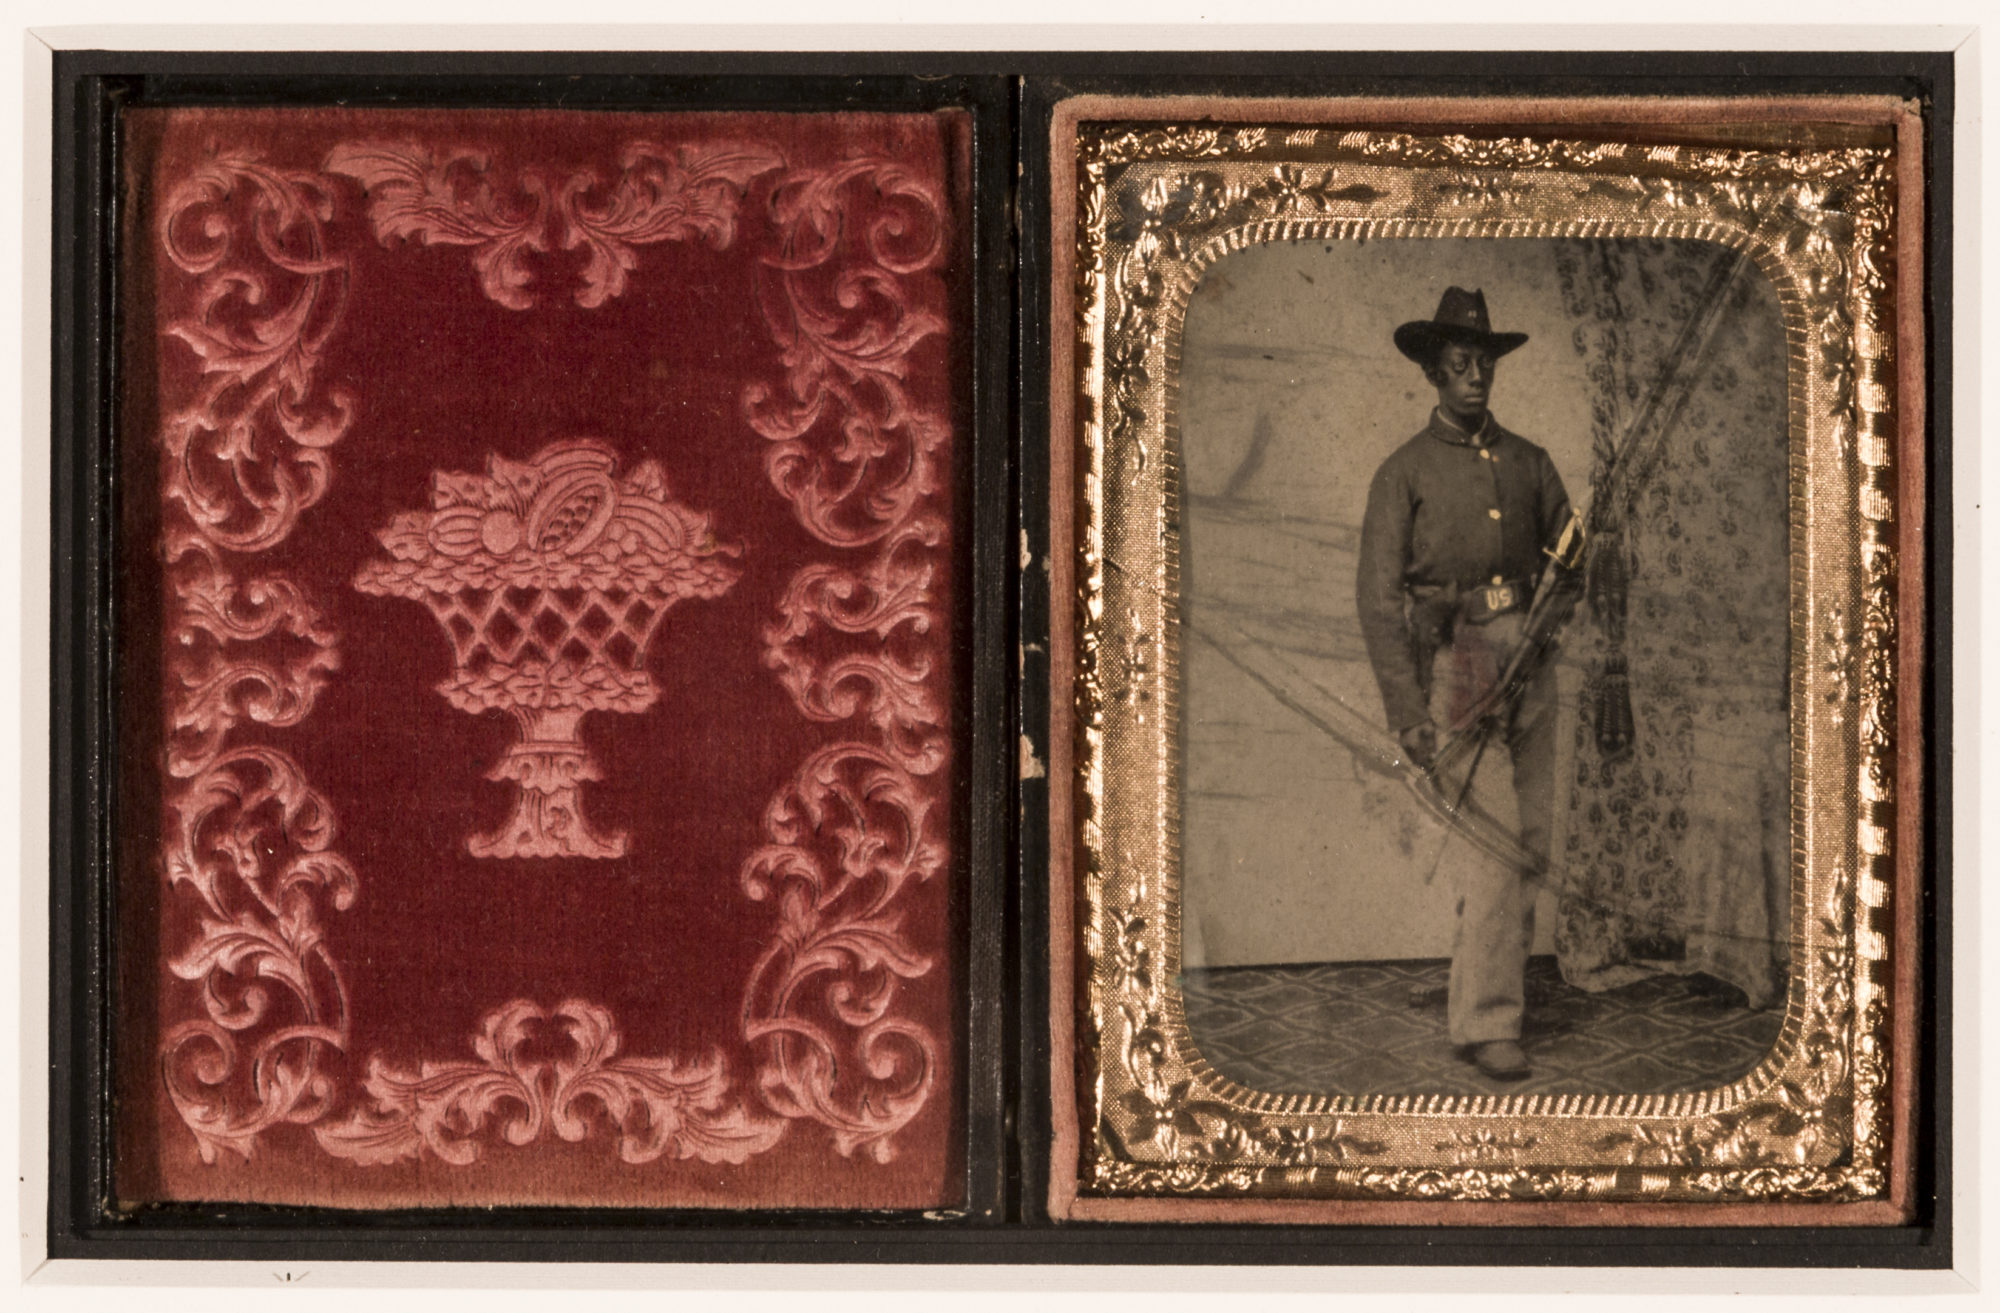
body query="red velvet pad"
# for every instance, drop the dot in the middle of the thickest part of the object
(538, 674)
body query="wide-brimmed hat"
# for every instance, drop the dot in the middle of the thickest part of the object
(1461, 317)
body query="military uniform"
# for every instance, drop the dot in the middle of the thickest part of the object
(1451, 547)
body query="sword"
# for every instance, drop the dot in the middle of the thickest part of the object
(1555, 591)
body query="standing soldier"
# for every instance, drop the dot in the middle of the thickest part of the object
(1451, 548)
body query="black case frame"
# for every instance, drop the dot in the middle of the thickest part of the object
(1003, 631)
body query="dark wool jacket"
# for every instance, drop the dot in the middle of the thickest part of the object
(1448, 512)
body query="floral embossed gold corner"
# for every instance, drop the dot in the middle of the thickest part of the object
(1489, 800)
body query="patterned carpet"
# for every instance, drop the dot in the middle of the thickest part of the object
(1379, 1028)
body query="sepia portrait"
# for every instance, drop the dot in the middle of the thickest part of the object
(1370, 557)
(1481, 673)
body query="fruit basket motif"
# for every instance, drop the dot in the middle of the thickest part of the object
(550, 577)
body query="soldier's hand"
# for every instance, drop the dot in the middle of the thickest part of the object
(1420, 742)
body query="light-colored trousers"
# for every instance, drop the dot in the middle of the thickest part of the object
(1496, 902)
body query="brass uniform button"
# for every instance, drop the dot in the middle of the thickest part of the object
(1494, 513)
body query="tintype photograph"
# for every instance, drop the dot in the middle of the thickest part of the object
(1485, 563)
(1411, 555)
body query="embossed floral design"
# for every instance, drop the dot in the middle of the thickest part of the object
(1487, 1145)
(1131, 955)
(660, 195)
(550, 578)
(849, 295)
(1169, 1115)
(1135, 666)
(892, 599)
(253, 843)
(1476, 1183)
(1489, 152)
(846, 321)
(1311, 1146)
(658, 1106)
(1838, 662)
(219, 687)
(246, 837)
(247, 453)
(847, 837)
(1680, 1146)
(450, 198)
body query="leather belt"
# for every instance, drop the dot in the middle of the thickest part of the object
(1490, 601)
(1438, 607)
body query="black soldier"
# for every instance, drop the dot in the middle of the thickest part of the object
(1451, 548)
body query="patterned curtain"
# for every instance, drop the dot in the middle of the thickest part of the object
(1674, 853)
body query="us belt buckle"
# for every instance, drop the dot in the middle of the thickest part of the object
(1499, 599)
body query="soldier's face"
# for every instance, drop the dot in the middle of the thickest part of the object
(1464, 379)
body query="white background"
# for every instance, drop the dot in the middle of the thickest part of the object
(1047, 24)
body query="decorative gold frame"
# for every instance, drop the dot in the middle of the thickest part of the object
(1824, 196)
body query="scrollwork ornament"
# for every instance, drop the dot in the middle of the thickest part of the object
(247, 454)
(849, 295)
(217, 686)
(849, 835)
(659, 1107)
(253, 843)
(892, 600)
(458, 197)
(246, 257)
(852, 451)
